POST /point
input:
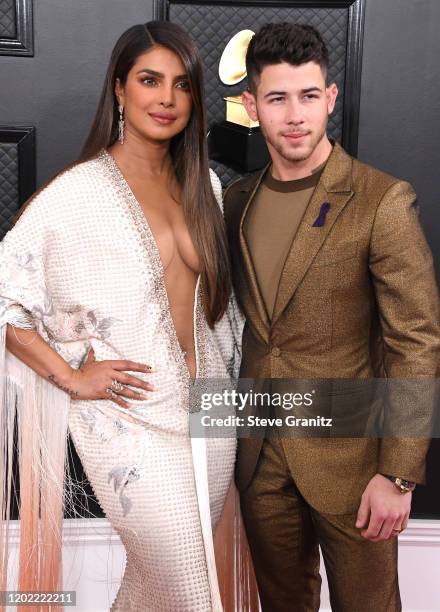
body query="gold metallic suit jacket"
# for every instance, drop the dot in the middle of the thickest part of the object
(357, 298)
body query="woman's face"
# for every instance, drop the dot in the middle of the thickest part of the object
(156, 96)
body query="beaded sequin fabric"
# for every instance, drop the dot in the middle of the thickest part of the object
(81, 267)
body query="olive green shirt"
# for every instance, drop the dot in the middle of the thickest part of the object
(270, 226)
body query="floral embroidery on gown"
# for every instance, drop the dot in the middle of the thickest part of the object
(81, 266)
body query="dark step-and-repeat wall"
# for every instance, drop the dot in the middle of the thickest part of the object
(384, 59)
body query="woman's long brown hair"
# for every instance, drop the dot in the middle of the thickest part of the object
(188, 152)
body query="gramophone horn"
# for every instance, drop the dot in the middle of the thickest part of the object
(232, 66)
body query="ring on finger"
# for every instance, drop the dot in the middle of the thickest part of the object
(397, 530)
(111, 393)
(116, 385)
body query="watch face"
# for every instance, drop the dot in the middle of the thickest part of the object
(404, 486)
(407, 484)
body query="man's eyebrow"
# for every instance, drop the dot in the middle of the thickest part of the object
(275, 93)
(311, 89)
(160, 75)
(303, 91)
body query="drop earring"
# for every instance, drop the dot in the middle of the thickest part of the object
(121, 124)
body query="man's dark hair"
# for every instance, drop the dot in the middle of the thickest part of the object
(286, 42)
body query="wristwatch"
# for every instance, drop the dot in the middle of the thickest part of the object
(404, 486)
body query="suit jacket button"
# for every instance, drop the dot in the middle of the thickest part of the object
(276, 351)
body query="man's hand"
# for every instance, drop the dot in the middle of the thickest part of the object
(384, 511)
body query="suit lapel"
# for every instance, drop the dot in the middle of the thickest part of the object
(254, 302)
(334, 188)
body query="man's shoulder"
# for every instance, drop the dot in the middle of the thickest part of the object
(369, 179)
(345, 172)
(237, 194)
(240, 185)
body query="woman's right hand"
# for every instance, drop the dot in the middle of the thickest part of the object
(108, 379)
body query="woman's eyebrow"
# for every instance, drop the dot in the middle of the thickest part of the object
(150, 71)
(160, 75)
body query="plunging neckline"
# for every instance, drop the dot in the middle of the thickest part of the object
(151, 246)
(198, 444)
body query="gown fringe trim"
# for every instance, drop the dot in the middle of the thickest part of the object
(33, 420)
(34, 428)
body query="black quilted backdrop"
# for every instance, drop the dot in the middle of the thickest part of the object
(7, 19)
(9, 199)
(17, 172)
(213, 26)
(16, 27)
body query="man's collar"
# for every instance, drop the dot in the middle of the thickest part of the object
(336, 176)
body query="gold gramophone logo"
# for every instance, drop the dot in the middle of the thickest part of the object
(232, 70)
(237, 141)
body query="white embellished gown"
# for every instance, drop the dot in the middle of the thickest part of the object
(82, 266)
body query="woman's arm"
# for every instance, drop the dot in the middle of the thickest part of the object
(91, 381)
(28, 346)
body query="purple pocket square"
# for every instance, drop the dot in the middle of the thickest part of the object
(320, 219)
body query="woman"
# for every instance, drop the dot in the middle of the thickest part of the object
(115, 293)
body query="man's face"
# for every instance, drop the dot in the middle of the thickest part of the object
(292, 104)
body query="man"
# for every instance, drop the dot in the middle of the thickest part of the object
(336, 281)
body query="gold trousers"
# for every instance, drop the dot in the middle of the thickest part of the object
(284, 534)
